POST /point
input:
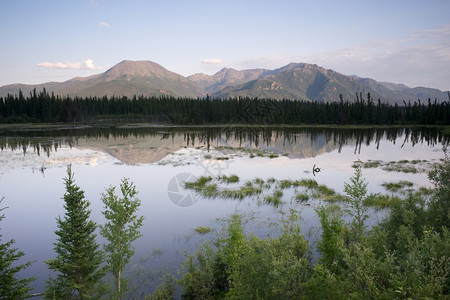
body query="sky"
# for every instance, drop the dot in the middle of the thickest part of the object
(399, 41)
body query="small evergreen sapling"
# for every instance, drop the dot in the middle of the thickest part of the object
(356, 196)
(10, 286)
(78, 257)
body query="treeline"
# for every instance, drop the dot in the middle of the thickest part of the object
(49, 108)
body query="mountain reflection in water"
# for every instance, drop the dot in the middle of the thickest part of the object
(134, 145)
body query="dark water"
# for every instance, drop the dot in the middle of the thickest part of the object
(33, 164)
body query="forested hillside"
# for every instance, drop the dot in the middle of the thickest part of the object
(43, 107)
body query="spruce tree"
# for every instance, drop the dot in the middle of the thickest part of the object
(78, 257)
(121, 229)
(10, 286)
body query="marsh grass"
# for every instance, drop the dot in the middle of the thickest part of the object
(278, 193)
(275, 198)
(396, 186)
(308, 183)
(271, 180)
(285, 184)
(209, 188)
(302, 197)
(228, 179)
(372, 164)
(382, 201)
(241, 193)
(202, 230)
(325, 191)
(401, 167)
(258, 181)
(199, 184)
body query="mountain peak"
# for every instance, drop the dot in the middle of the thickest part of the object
(131, 68)
(293, 81)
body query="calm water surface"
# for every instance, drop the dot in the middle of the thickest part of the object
(33, 164)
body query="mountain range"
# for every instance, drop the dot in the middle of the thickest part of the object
(296, 81)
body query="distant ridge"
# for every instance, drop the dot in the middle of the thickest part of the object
(295, 81)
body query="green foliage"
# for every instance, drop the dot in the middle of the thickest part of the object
(249, 267)
(78, 257)
(331, 245)
(382, 201)
(406, 222)
(200, 278)
(356, 195)
(402, 258)
(368, 275)
(10, 286)
(165, 291)
(120, 230)
(273, 268)
(209, 274)
(439, 207)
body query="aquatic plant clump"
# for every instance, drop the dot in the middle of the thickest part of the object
(202, 229)
(396, 186)
(229, 179)
(210, 187)
(402, 166)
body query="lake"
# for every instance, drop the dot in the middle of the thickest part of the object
(158, 159)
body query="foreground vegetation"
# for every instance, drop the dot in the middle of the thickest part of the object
(43, 107)
(406, 256)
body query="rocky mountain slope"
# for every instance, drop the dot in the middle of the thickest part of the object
(296, 81)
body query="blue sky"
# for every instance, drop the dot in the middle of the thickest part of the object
(401, 41)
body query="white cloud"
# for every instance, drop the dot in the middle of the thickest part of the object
(212, 61)
(440, 32)
(88, 64)
(103, 24)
